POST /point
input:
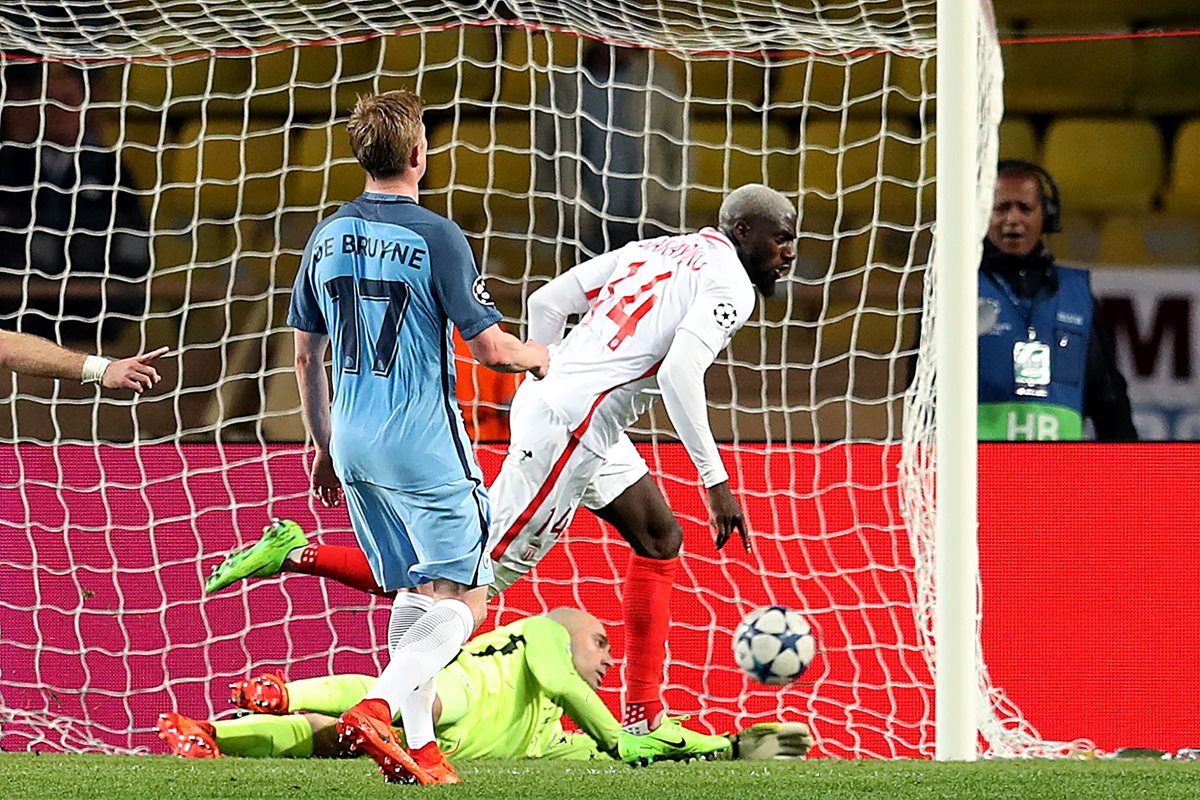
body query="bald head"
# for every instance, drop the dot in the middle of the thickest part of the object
(589, 643)
(572, 618)
(761, 223)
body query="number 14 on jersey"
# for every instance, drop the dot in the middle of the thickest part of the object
(629, 290)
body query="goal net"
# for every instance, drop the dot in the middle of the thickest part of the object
(163, 164)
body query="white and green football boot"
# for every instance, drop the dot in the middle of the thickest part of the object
(261, 559)
(670, 741)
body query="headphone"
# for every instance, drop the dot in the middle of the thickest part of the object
(1051, 208)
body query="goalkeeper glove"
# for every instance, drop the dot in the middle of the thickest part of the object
(772, 740)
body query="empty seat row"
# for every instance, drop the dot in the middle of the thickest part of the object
(312, 80)
(1112, 165)
(485, 172)
(488, 66)
(223, 168)
(1143, 77)
(1154, 239)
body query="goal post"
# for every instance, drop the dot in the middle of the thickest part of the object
(958, 237)
(165, 163)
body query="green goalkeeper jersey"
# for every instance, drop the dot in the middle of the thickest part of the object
(505, 694)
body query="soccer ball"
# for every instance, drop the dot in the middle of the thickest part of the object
(774, 645)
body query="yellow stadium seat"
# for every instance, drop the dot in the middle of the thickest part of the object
(859, 85)
(1018, 139)
(281, 421)
(1123, 240)
(141, 145)
(723, 156)
(1183, 193)
(1068, 77)
(715, 83)
(512, 253)
(1079, 240)
(184, 88)
(1157, 239)
(529, 58)
(445, 67)
(314, 80)
(205, 243)
(478, 169)
(821, 253)
(223, 169)
(1105, 165)
(195, 261)
(870, 332)
(842, 167)
(323, 170)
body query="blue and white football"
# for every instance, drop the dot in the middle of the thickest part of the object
(774, 645)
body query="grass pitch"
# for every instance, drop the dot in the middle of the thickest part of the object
(28, 775)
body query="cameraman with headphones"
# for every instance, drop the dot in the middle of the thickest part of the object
(1046, 357)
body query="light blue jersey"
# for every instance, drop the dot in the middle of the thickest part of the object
(385, 278)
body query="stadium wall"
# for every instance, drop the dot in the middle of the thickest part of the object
(1089, 584)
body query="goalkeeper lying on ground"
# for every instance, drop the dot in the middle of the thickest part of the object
(503, 697)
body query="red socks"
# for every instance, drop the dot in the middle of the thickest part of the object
(648, 585)
(346, 565)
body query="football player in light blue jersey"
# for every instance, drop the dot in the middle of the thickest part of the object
(384, 280)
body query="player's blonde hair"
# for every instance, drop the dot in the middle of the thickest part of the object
(755, 202)
(384, 129)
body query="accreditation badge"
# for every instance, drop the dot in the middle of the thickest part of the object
(1031, 368)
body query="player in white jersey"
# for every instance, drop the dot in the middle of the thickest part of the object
(655, 314)
(635, 302)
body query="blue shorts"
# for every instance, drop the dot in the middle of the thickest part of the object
(411, 538)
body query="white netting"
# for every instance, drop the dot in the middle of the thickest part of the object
(549, 141)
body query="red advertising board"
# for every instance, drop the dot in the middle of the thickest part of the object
(1089, 588)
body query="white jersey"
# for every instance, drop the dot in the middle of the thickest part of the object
(640, 296)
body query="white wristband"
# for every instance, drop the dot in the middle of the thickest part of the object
(93, 368)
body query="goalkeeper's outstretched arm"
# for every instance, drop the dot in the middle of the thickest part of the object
(548, 654)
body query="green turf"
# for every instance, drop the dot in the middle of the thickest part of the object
(168, 778)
